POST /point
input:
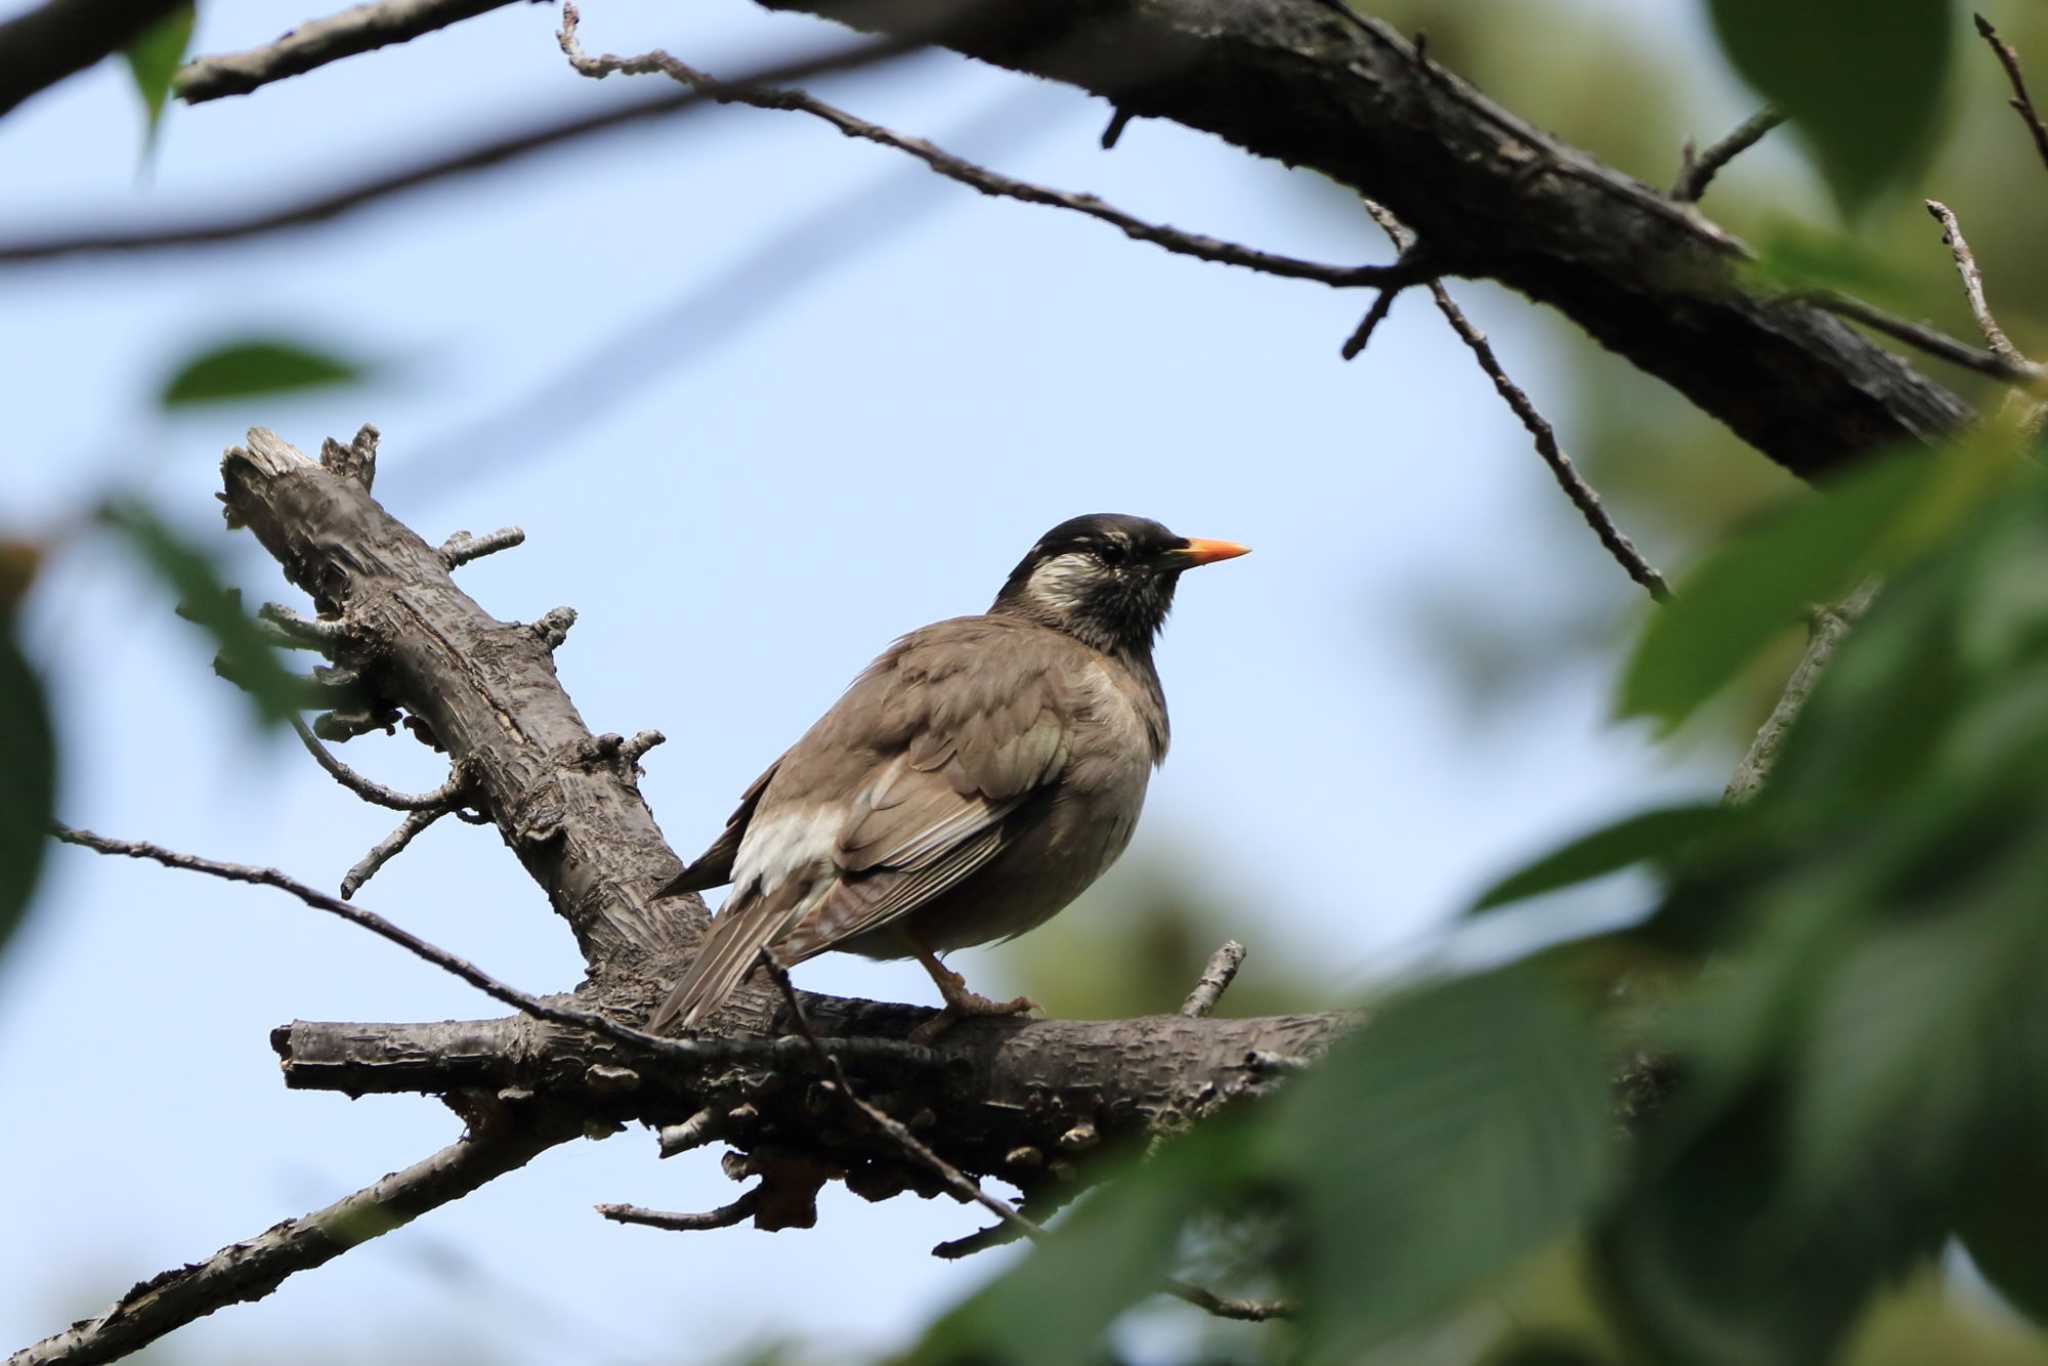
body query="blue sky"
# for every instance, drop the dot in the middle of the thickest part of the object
(762, 399)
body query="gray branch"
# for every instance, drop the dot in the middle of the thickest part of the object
(317, 42)
(249, 1270)
(1307, 84)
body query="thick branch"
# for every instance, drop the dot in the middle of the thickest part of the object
(55, 39)
(1306, 84)
(251, 1269)
(485, 689)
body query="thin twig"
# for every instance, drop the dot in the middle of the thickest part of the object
(316, 42)
(2020, 101)
(1215, 980)
(965, 1186)
(480, 156)
(757, 95)
(1973, 285)
(389, 848)
(253, 1268)
(459, 549)
(1932, 340)
(370, 791)
(1568, 477)
(725, 1216)
(1695, 173)
(635, 749)
(683, 1052)
(1119, 119)
(1826, 629)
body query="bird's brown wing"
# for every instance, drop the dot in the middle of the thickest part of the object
(896, 795)
(713, 867)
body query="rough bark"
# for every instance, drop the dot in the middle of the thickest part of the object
(1309, 84)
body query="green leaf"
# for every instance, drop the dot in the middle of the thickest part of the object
(1798, 256)
(245, 657)
(1463, 1129)
(153, 58)
(1763, 582)
(260, 365)
(28, 792)
(1863, 83)
(1660, 834)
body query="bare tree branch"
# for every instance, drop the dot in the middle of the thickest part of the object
(682, 1052)
(725, 1216)
(1973, 289)
(1826, 629)
(317, 42)
(481, 156)
(1311, 85)
(60, 37)
(1695, 173)
(249, 1270)
(1567, 474)
(1924, 338)
(2021, 101)
(1215, 980)
(393, 844)
(370, 791)
(461, 548)
(968, 173)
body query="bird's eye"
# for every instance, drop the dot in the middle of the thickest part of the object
(1113, 552)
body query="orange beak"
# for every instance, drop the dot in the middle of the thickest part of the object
(1198, 551)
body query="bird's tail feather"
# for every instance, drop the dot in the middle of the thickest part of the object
(730, 952)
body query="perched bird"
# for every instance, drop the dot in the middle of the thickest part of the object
(976, 778)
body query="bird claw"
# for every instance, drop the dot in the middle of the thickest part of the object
(966, 1005)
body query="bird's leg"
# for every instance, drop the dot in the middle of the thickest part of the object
(960, 1002)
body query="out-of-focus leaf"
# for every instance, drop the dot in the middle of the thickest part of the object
(2000, 1226)
(258, 365)
(1547, 1352)
(1659, 834)
(246, 658)
(28, 779)
(1863, 83)
(1703, 1268)
(1730, 608)
(1792, 255)
(1053, 1307)
(19, 561)
(153, 59)
(1464, 1128)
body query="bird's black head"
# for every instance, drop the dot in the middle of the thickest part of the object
(1106, 579)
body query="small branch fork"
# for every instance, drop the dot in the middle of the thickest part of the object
(975, 176)
(966, 1187)
(1973, 289)
(1568, 477)
(1695, 173)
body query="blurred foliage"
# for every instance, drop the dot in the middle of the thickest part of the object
(1863, 85)
(1849, 1022)
(246, 658)
(253, 366)
(28, 776)
(153, 59)
(1138, 940)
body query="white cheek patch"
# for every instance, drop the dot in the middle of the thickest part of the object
(787, 843)
(1058, 583)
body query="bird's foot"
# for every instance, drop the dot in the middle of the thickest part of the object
(962, 1004)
